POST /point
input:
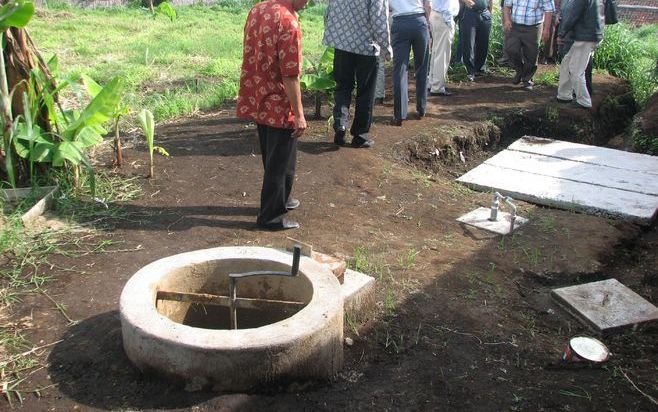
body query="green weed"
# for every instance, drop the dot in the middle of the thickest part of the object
(406, 261)
(548, 78)
(361, 261)
(389, 303)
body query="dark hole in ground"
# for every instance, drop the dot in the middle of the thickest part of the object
(218, 317)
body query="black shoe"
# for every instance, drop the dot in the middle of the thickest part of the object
(360, 142)
(292, 204)
(339, 137)
(563, 100)
(481, 73)
(417, 116)
(379, 101)
(516, 79)
(283, 224)
(395, 122)
(443, 93)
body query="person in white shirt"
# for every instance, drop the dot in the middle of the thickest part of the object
(410, 31)
(442, 21)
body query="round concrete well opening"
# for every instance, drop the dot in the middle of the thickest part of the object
(176, 318)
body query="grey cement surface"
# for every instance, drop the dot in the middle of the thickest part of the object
(606, 305)
(480, 218)
(358, 291)
(573, 176)
(308, 344)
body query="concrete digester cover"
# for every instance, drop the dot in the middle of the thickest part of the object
(306, 345)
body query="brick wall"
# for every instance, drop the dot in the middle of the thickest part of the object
(638, 12)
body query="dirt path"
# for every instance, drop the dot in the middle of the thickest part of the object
(464, 320)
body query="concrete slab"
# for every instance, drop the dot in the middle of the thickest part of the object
(598, 175)
(480, 219)
(358, 290)
(587, 154)
(573, 176)
(606, 305)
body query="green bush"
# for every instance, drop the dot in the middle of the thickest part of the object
(631, 54)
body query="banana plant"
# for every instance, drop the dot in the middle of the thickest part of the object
(93, 89)
(14, 14)
(148, 126)
(74, 131)
(319, 78)
(166, 10)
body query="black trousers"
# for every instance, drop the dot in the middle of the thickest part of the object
(522, 45)
(279, 153)
(474, 31)
(349, 67)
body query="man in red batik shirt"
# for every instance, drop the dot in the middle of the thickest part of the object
(270, 96)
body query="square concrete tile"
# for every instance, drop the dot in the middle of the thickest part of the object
(480, 219)
(606, 305)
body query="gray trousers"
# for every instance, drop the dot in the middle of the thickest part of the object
(522, 46)
(410, 33)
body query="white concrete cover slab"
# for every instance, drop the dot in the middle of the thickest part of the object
(572, 176)
(480, 219)
(586, 154)
(606, 305)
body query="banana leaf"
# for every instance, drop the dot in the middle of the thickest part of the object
(100, 110)
(17, 13)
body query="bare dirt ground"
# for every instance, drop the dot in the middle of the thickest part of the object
(464, 319)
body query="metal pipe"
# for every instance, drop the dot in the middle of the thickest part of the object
(233, 277)
(232, 296)
(495, 205)
(296, 254)
(508, 200)
(225, 301)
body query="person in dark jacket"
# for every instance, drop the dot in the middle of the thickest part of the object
(474, 32)
(581, 22)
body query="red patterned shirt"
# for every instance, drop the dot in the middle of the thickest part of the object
(272, 49)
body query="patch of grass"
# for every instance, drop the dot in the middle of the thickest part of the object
(631, 54)
(548, 224)
(160, 60)
(532, 255)
(406, 261)
(13, 361)
(389, 303)
(361, 261)
(548, 78)
(388, 169)
(351, 323)
(529, 323)
(421, 178)
(26, 268)
(459, 190)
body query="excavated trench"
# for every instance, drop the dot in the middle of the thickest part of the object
(440, 148)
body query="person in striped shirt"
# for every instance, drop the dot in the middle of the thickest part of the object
(522, 22)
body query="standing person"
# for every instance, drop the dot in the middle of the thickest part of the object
(522, 22)
(358, 31)
(504, 60)
(581, 21)
(270, 96)
(380, 84)
(442, 20)
(410, 31)
(380, 87)
(474, 32)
